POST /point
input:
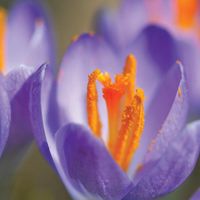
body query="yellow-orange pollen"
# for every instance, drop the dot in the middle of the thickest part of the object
(2, 38)
(125, 107)
(187, 13)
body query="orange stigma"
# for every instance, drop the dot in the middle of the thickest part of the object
(187, 13)
(2, 38)
(125, 107)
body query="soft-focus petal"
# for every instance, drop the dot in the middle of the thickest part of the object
(5, 117)
(83, 56)
(18, 83)
(29, 37)
(160, 12)
(38, 118)
(15, 79)
(49, 103)
(163, 103)
(174, 166)
(120, 27)
(155, 51)
(88, 165)
(17, 86)
(196, 196)
(160, 45)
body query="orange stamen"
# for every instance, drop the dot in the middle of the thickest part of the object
(125, 128)
(112, 93)
(2, 38)
(187, 11)
(130, 131)
(134, 138)
(92, 104)
(130, 70)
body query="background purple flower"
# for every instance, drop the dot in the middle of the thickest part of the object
(28, 45)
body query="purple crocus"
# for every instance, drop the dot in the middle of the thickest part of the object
(26, 43)
(196, 195)
(123, 139)
(179, 17)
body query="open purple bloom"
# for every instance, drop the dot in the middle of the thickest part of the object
(196, 195)
(142, 149)
(179, 17)
(26, 43)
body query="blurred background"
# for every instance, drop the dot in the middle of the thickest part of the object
(34, 179)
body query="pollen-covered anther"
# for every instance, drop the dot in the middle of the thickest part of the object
(125, 108)
(92, 104)
(130, 131)
(2, 38)
(130, 71)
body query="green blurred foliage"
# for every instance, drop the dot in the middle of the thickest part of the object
(34, 179)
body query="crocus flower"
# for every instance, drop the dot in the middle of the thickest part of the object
(103, 140)
(183, 21)
(179, 18)
(196, 196)
(25, 43)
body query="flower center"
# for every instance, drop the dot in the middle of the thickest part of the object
(125, 107)
(187, 11)
(2, 38)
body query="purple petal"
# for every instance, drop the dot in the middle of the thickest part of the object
(15, 79)
(39, 112)
(120, 27)
(86, 54)
(153, 60)
(88, 165)
(173, 124)
(189, 55)
(174, 166)
(161, 12)
(196, 196)
(29, 37)
(166, 100)
(49, 103)
(154, 39)
(17, 84)
(5, 117)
